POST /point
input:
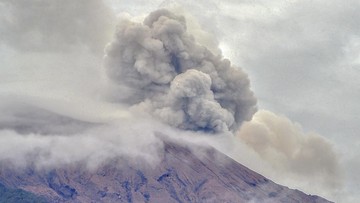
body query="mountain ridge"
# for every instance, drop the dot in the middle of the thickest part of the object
(182, 175)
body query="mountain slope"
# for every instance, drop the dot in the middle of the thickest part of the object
(181, 176)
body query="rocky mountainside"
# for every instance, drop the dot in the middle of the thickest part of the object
(181, 176)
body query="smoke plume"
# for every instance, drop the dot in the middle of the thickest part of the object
(289, 150)
(165, 72)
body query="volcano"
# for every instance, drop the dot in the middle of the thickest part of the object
(182, 175)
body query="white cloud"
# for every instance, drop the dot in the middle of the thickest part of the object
(49, 25)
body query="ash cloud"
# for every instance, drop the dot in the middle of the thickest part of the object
(289, 150)
(170, 75)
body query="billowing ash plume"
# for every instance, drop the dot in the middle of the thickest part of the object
(163, 70)
(289, 149)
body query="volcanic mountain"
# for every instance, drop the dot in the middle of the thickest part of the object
(182, 175)
(157, 76)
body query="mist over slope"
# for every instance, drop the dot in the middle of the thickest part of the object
(183, 175)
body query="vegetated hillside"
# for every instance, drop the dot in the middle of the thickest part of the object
(9, 195)
(182, 176)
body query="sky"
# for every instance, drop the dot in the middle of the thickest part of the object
(301, 58)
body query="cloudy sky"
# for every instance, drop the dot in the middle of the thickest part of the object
(302, 59)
